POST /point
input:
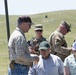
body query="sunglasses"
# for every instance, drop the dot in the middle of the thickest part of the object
(39, 30)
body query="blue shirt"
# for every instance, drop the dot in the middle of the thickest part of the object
(70, 62)
(51, 66)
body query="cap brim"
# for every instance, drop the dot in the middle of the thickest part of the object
(43, 48)
(38, 29)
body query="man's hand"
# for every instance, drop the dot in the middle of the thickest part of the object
(36, 58)
(33, 50)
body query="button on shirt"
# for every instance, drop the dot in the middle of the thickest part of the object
(51, 66)
(70, 62)
(18, 48)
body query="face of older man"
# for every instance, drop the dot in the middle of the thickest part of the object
(63, 30)
(44, 53)
(25, 26)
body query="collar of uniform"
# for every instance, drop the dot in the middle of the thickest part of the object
(58, 31)
(17, 28)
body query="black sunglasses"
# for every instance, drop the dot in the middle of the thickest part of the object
(39, 30)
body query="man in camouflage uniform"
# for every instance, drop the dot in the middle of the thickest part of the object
(35, 41)
(58, 42)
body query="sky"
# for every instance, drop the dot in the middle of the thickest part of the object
(26, 7)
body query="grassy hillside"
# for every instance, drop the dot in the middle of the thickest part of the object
(50, 24)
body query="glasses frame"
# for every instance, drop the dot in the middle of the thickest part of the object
(39, 30)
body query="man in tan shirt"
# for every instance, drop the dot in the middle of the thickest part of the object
(58, 42)
(19, 55)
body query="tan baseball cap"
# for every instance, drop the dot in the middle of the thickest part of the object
(38, 27)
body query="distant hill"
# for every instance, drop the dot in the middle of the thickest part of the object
(50, 23)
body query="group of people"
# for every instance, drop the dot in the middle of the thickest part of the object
(40, 56)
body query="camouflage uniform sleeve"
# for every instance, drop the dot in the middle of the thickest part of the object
(60, 46)
(32, 41)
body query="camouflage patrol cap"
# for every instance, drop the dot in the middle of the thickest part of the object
(38, 27)
(67, 26)
(44, 45)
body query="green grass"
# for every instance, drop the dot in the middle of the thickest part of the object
(50, 24)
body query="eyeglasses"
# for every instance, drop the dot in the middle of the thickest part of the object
(29, 24)
(39, 30)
